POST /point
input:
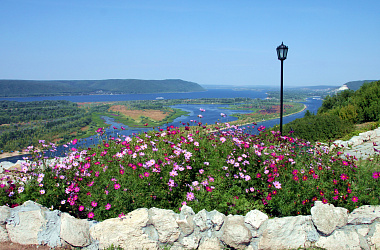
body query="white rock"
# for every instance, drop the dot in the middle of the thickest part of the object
(340, 239)
(200, 219)
(191, 242)
(255, 218)
(125, 232)
(186, 225)
(26, 231)
(3, 234)
(74, 231)
(364, 215)
(287, 233)
(165, 223)
(375, 238)
(236, 234)
(217, 218)
(4, 214)
(210, 244)
(326, 217)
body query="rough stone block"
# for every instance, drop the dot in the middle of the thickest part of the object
(236, 234)
(287, 233)
(74, 231)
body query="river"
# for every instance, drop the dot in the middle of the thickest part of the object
(211, 114)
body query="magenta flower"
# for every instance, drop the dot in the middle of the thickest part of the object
(116, 186)
(343, 177)
(90, 215)
(146, 174)
(355, 199)
(108, 206)
(94, 203)
(81, 208)
(376, 175)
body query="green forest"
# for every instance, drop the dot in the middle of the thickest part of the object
(22, 88)
(25, 123)
(340, 114)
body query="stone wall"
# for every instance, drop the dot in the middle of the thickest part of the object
(360, 139)
(327, 227)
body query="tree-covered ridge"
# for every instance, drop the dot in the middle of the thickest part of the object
(360, 106)
(12, 88)
(339, 113)
(355, 85)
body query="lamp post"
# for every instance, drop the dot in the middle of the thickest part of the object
(282, 52)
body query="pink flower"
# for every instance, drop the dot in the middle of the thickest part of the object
(146, 174)
(94, 203)
(277, 184)
(355, 199)
(81, 208)
(190, 196)
(90, 215)
(108, 206)
(116, 186)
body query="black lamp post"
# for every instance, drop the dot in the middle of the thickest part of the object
(282, 52)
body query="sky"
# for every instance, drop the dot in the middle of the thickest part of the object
(210, 42)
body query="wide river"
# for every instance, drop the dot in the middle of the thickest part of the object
(210, 115)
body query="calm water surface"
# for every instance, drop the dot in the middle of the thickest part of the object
(211, 114)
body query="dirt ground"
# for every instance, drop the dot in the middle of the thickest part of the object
(15, 246)
(156, 115)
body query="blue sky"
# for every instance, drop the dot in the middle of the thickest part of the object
(207, 42)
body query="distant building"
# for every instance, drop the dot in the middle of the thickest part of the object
(344, 87)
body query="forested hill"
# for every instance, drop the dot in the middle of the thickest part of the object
(18, 88)
(355, 85)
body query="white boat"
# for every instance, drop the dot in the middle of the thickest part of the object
(159, 98)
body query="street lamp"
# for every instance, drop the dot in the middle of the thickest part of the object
(282, 52)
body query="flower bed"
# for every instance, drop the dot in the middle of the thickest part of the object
(229, 170)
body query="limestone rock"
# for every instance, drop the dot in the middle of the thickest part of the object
(49, 234)
(26, 231)
(190, 242)
(236, 234)
(326, 217)
(287, 233)
(200, 219)
(3, 235)
(186, 224)
(74, 231)
(186, 210)
(255, 218)
(217, 218)
(375, 237)
(340, 239)
(210, 244)
(165, 223)
(125, 232)
(364, 215)
(4, 214)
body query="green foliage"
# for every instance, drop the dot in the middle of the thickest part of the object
(25, 123)
(323, 127)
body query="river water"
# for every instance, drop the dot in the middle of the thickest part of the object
(211, 114)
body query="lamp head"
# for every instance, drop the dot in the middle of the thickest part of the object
(282, 52)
